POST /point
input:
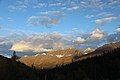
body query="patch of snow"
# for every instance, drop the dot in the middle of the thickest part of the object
(59, 56)
(113, 42)
(25, 56)
(43, 53)
(37, 54)
(88, 49)
(85, 53)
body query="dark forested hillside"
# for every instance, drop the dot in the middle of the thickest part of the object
(102, 67)
(12, 70)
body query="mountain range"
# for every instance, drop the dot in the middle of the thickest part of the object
(52, 59)
(63, 57)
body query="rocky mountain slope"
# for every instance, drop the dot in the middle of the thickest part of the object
(101, 50)
(52, 59)
(88, 50)
(107, 47)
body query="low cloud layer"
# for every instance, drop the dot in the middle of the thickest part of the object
(5, 46)
(118, 30)
(114, 37)
(41, 42)
(55, 41)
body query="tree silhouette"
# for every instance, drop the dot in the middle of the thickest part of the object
(14, 57)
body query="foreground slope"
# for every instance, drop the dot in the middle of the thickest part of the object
(12, 70)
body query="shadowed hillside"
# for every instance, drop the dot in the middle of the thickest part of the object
(12, 70)
(102, 67)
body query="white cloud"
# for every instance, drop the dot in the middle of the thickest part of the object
(14, 36)
(48, 18)
(113, 37)
(114, 2)
(104, 14)
(5, 46)
(20, 5)
(49, 4)
(45, 12)
(73, 8)
(92, 4)
(69, 37)
(42, 42)
(56, 41)
(118, 29)
(79, 39)
(39, 5)
(53, 13)
(105, 19)
(97, 34)
(57, 4)
(91, 39)
(16, 7)
(42, 21)
(21, 47)
(99, 4)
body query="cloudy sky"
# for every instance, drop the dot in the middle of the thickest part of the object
(45, 25)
